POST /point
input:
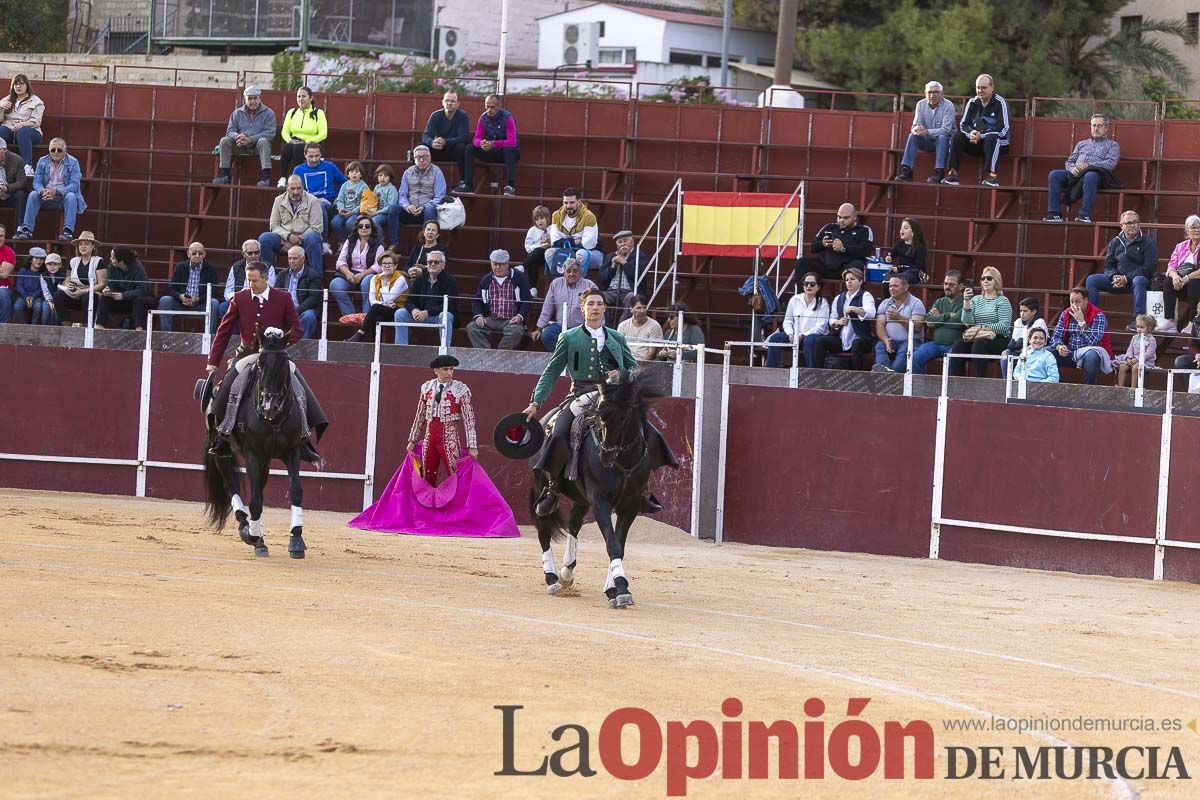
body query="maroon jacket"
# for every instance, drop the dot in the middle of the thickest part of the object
(249, 316)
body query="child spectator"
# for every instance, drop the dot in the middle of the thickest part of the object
(908, 255)
(349, 199)
(1141, 346)
(389, 198)
(1039, 364)
(1029, 317)
(52, 279)
(30, 304)
(536, 242)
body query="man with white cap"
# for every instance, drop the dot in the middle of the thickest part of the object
(502, 303)
(14, 183)
(250, 131)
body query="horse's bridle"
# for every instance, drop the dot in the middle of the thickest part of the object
(270, 406)
(610, 455)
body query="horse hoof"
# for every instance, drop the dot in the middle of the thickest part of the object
(568, 578)
(621, 601)
(554, 588)
(260, 549)
(296, 546)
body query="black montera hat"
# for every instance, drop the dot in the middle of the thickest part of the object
(443, 361)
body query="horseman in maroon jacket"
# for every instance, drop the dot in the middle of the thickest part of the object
(252, 310)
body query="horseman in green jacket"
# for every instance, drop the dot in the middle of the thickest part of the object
(591, 353)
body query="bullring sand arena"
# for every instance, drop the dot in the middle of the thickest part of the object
(144, 655)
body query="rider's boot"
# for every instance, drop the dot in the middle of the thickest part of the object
(547, 502)
(650, 504)
(221, 448)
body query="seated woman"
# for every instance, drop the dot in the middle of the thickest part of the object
(908, 255)
(21, 122)
(1039, 363)
(988, 317)
(428, 243)
(303, 124)
(1181, 279)
(849, 325)
(691, 333)
(387, 290)
(357, 261)
(807, 315)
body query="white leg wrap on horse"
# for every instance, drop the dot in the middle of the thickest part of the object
(615, 570)
(572, 550)
(548, 561)
(256, 527)
(238, 505)
(297, 516)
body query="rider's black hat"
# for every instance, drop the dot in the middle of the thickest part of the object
(518, 437)
(204, 389)
(443, 361)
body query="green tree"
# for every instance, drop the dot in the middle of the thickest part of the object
(1096, 65)
(33, 26)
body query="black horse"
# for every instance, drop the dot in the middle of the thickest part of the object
(613, 471)
(270, 425)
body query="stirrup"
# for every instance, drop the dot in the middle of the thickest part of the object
(650, 505)
(547, 502)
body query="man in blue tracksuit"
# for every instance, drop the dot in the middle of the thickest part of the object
(982, 131)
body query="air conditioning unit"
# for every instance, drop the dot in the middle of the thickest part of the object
(581, 42)
(451, 45)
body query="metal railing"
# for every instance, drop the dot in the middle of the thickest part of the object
(672, 235)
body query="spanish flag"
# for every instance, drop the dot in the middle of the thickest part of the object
(733, 223)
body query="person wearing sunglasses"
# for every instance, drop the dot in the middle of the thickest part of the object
(807, 314)
(988, 317)
(236, 281)
(357, 262)
(55, 186)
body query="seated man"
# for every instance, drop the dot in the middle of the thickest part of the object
(250, 131)
(296, 219)
(982, 131)
(496, 143)
(563, 291)
(945, 320)
(191, 281)
(56, 187)
(1129, 265)
(323, 180)
(236, 280)
(502, 303)
(891, 326)
(574, 226)
(303, 282)
(1088, 168)
(590, 353)
(422, 188)
(619, 270)
(126, 290)
(932, 131)
(425, 297)
(14, 183)
(448, 132)
(838, 246)
(252, 311)
(1081, 338)
(641, 325)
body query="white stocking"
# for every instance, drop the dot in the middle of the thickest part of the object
(548, 561)
(256, 528)
(615, 570)
(572, 550)
(297, 517)
(238, 505)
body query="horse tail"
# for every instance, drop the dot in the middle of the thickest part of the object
(219, 475)
(556, 524)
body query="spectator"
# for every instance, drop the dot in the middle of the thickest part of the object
(1038, 364)
(52, 281)
(988, 319)
(537, 241)
(1129, 264)
(945, 320)
(349, 200)
(1081, 338)
(8, 265)
(1029, 318)
(389, 199)
(296, 219)
(236, 281)
(126, 290)
(1142, 347)
(619, 270)
(21, 119)
(448, 132)
(386, 290)
(982, 131)
(56, 187)
(422, 188)
(838, 246)
(639, 326)
(495, 142)
(932, 132)
(502, 303)
(191, 281)
(1089, 167)
(357, 262)
(849, 325)
(84, 275)
(323, 180)
(807, 315)
(692, 334)
(29, 303)
(14, 182)
(303, 282)
(303, 124)
(568, 289)
(428, 244)
(250, 131)
(908, 255)
(891, 326)
(1179, 281)
(424, 303)
(574, 227)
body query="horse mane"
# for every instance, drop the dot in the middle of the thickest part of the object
(635, 391)
(274, 362)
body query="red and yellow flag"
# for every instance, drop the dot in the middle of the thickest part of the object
(733, 223)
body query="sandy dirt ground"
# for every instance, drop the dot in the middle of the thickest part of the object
(143, 655)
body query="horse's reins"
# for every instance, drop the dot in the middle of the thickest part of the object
(267, 412)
